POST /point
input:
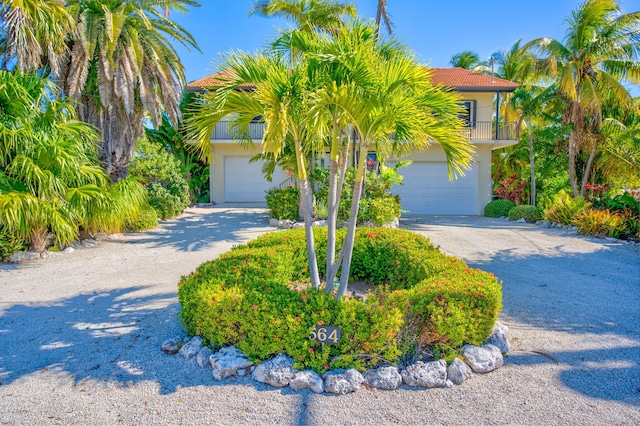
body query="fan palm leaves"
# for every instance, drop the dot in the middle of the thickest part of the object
(50, 181)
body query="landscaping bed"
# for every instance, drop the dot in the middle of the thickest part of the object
(424, 304)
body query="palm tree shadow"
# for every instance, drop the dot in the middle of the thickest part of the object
(110, 336)
(201, 229)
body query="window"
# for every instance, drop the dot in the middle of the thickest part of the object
(469, 113)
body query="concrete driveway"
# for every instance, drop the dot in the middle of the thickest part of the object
(80, 334)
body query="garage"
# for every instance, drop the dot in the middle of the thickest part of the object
(244, 182)
(426, 190)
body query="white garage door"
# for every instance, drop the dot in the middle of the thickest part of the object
(426, 190)
(244, 181)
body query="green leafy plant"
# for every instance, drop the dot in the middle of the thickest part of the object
(498, 208)
(255, 297)
(147, 219)
(160, 171)
(531, 214)
(599, 222)
(564, 208)
(379, 210)
(283, 203)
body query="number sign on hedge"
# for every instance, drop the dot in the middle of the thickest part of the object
(326, 334)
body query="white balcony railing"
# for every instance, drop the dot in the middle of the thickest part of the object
(477, 130)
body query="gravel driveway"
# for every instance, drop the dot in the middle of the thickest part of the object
(80, 334)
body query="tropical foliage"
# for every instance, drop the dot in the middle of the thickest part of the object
(50, 181)
(317, 89)
(113, 58)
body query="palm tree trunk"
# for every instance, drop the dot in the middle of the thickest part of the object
(306, 201)
(587, 168)
(574, 140)
(532, 166)
(332, 217)
(351, 227)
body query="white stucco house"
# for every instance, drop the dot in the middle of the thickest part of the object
(426, 188)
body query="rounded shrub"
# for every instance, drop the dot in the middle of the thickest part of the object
(283, 203)
(257, 297)
(498, 208)
(531, 214)
(147, 219)
(378, 210)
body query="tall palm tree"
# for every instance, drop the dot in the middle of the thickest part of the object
(35, 34)
(122, 68)
(114, 58)
(529, 103)
(385, 96)
(382, 15)
(308, 15)
(599, 52)
(281, 96)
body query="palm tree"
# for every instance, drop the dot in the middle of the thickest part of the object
(309, 15)
(119, 64)
(469, 60)
(529, 103)
(382, 15)
(35, 34)
(385, 96)
(122, 68)
(599, 52)
(281, 97)
(50, 180)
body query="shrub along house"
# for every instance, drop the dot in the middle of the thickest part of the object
(426, 188)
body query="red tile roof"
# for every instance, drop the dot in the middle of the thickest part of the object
(464, 80)
(458, 79)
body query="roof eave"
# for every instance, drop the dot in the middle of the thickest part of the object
(492, 89)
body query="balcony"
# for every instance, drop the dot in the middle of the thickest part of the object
(223, 131)
(490, 130)
(477, 130)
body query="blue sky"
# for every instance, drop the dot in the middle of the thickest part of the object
(434, 29)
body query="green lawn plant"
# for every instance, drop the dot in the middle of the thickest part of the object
(258, 297)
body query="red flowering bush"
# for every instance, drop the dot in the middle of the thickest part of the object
(511, 189)
(254, 297)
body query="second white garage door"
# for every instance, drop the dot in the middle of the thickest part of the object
(426, 190)
(244, 182)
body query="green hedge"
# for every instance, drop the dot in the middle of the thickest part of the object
(531, 214)
(251, 297)
(498, 208)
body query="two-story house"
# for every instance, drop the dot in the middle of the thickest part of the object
(426, 188)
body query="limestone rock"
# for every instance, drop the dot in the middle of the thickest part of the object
(276, 372)
(173, 345)
(430, 375)
(320, 223)
(342, 382)
(68, 250)
(273, 222)
(307, 380)
(229, 361)
(383, 378)
(482, 359)
(297, 225)
(24, 256)
(203, 357)
(458, 371)
(499, 337)
(191, 348)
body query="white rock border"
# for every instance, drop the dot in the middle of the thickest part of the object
(279, 373)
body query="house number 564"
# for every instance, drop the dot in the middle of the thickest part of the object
(326, 334)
